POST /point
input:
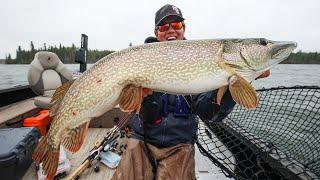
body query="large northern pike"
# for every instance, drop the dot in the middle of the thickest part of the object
(175, 67)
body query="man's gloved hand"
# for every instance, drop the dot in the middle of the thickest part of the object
(151, 107)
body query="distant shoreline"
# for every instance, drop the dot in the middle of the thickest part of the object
(25, 57)
(67, 55)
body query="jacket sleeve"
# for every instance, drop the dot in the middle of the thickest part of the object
(206, 109)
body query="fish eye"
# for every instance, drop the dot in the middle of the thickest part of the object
(263, 41)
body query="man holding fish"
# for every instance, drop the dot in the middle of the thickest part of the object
(164, 133)
(151, 80)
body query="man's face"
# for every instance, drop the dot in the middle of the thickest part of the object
(171, 33)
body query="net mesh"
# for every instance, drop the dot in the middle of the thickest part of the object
(278, 140)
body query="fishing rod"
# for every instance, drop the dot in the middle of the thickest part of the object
(99, 146)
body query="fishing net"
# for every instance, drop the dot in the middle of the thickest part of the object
(278, 140)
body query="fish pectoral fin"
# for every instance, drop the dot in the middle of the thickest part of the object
(58, 95)
(131, 98)
(75, 138)
(48, 155)
(220, 93)
(242, 92)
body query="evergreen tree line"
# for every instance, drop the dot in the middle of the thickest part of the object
(67, 55)
(303, 58)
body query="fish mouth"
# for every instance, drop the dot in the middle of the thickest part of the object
(281, 50)
(277, 52)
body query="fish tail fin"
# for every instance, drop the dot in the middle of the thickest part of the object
(61, 91)
(242, 92)
(48, 155)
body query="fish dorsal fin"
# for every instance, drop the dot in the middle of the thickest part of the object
(54, 109)
(58, 96)
(75, 138)
(242, 92)
(131, 98)
(61, 91)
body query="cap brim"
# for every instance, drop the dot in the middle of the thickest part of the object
(169, 18)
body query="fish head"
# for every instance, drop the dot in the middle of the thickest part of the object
(259, 54)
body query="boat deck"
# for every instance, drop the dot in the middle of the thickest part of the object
(77, 158)
(205, 170)
(12, 115)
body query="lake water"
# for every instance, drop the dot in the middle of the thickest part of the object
(281, 75)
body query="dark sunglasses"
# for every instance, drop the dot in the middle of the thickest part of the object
(174, 25)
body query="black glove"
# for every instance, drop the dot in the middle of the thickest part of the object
(151, 108)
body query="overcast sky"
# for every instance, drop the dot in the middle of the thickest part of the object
(112, 25)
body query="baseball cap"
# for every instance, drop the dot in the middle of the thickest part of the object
(168, 11)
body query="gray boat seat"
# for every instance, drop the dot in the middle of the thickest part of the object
(45, 75)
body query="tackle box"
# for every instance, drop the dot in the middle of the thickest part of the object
(16, 148)
(41, 121)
